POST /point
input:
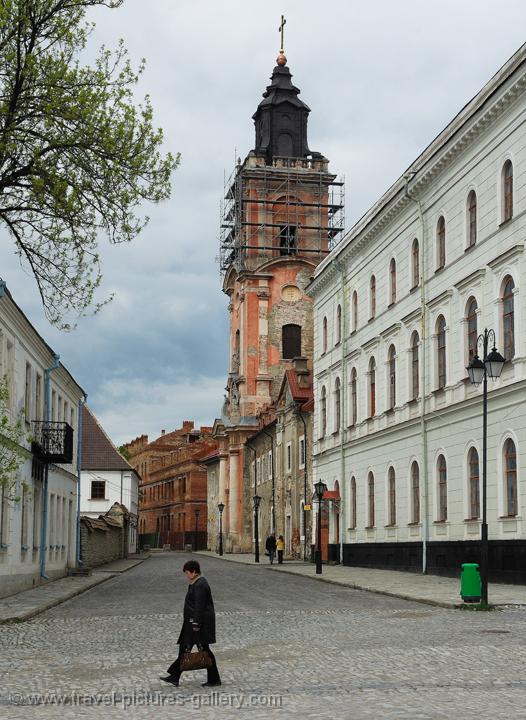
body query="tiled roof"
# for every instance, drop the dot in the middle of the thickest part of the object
(298, 393)
(98, 451)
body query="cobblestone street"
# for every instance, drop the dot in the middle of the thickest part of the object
(312, 649)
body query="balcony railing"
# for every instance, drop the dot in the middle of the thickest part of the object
(52, 442)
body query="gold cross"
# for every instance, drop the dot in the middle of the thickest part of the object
(281, 29)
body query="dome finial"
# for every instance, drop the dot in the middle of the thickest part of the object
(281, 59)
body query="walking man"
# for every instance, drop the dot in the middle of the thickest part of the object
(270, 547)
(199, 625)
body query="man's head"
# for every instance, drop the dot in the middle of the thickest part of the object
(191, 569)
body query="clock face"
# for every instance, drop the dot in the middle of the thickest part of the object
(291, 293)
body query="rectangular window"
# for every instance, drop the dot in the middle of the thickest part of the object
(27, 394)
(270, 465)
(53, 405)
(10, 372)
(302, 452)
(3, 517)
(36, 517)
(289, 457)
(38, 398)
(98, 490)
(253, 472)
(23, 535)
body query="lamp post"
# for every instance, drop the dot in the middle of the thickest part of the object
(478, 371)
(196, 512)
(257, 500)
(319, 490)
(221, 507)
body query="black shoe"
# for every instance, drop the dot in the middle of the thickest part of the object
(209, 684)
(171, 679)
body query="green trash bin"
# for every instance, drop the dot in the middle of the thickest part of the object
(470, 586)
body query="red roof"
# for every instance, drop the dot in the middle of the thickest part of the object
(98, 451)
(298, 393)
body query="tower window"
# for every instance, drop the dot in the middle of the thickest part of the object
(291, 341)
(287, 240)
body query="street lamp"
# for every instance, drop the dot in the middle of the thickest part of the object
(196, 511)
(319, 490)
(257, 500)
(478, 371)
(221, 507)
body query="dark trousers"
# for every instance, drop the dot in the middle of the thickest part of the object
(280, 556)
(271, 554)
(212, 671)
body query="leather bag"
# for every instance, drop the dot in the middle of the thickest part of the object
(199, 660)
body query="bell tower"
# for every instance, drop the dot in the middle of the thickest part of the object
(282, 214)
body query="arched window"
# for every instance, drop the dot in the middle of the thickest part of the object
(391, 480)
(355, 311)
(508, 317)
(415, 492)
(474, 485)
(391, 359)
(415, 264)
(338, 324)
(415, 366)
(337, 405)
(441, 352)
(353, 502)
(392, 281)
(373, 296)
(471, 325)
(372, 387)
(442, 488)
(323, 412)
(441, 242)
(324, 336)
(510, 477)
(507, 191)
(370, 498)
(291, 341)
(472, 218)
(354, 408)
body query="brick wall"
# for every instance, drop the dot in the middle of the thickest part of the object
(98, 547)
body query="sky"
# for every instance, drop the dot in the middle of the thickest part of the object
(382, 79)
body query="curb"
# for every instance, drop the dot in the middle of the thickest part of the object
(53, 603)
(103, 576)
(351, 585)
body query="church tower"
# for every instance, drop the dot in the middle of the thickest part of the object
(283, 212)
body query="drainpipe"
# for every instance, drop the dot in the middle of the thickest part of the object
(80, 423)
(48, 418)
(423, 367)
(273, 479)
(343, 394)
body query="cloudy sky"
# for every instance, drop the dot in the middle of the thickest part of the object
(382, 78)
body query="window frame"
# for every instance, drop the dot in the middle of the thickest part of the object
(441, 352)
(442, 488)
(473, 484)
(508, 317)
(441, 242)
(415, 493)
(507, 191)
(471, 209)
(510, 478)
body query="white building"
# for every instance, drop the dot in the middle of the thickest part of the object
(38, 534)
(106, 477)
(398, 307)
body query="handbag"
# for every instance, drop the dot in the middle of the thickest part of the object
(199, 660)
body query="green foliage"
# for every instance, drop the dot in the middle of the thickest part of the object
(12, 451)
(124, 452)
(77, 156)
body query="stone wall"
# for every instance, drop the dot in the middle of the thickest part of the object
(98, 546)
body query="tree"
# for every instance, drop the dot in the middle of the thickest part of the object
(124, 452)
(77, 156)
(12, 450)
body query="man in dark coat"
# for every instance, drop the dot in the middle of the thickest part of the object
(270, 547)
(199, 625)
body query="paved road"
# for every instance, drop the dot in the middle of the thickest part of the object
(316, 650)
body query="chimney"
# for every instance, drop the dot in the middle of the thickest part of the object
(188, 425)
(302, 371)
(163, 432)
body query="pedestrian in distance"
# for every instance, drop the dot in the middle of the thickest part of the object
(199, 625)
(270, 547)
(280, 546)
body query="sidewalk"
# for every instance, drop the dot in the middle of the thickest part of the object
(430, 589)
(27, 604)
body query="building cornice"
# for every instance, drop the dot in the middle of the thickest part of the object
(469, 124)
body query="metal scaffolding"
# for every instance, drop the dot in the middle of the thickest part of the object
(294, 206)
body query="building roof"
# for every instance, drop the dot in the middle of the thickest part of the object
(98, 451)
(300, 394)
